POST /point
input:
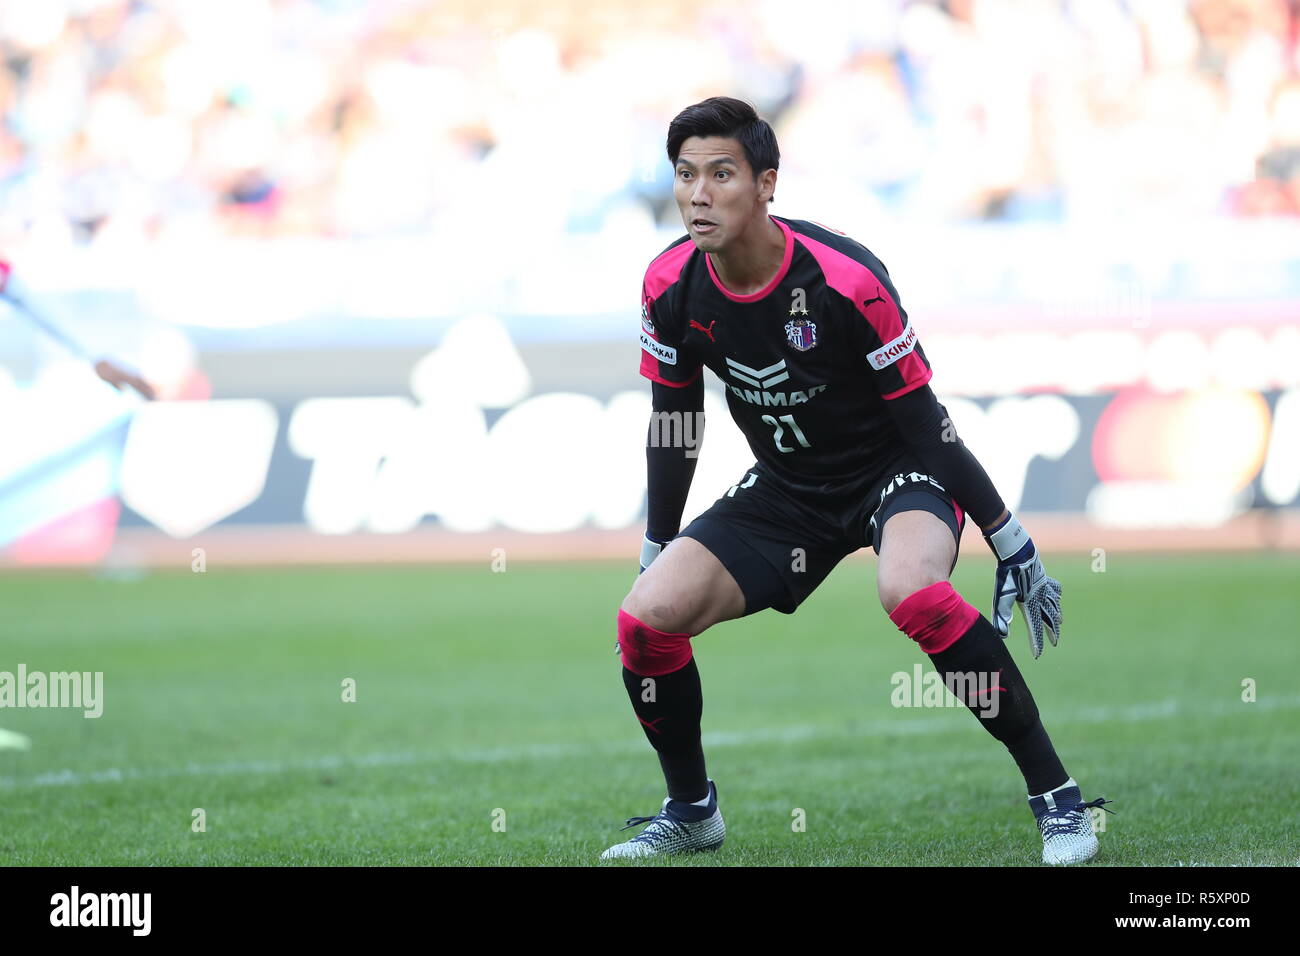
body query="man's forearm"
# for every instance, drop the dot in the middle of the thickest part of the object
(930, 436)
(960, 472)
(671, 448)
(996, 521)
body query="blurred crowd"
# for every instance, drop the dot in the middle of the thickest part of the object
(161, 118)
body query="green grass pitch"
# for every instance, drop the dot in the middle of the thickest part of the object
(489, 698)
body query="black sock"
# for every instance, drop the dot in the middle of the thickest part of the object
(1016, 722)
(669, 708)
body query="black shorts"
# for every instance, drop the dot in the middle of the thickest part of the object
(780, 545)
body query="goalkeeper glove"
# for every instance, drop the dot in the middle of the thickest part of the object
(1021, 581)
(650, 550)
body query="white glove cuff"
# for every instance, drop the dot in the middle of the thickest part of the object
(1008, 539)
(649, 551)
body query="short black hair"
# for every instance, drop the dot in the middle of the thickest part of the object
(733, 119)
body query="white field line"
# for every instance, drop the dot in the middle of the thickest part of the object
(909, 726)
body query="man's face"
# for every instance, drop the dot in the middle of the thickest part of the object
(716, 192)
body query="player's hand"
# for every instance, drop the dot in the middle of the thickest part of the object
(1021, 581)
(650, 550)
(117, 376)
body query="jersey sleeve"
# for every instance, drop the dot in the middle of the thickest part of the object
(892, 351)
(927, 428)
(663, 359)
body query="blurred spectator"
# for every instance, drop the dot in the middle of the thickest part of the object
(144, 118)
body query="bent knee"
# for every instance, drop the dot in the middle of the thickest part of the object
(650, 651)
(934, 616)
(657, 610)
(896, 587)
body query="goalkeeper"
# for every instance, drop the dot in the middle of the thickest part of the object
(826, 378)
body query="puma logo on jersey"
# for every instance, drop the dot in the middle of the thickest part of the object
(762, 377)
(708, 331)
(879, 298)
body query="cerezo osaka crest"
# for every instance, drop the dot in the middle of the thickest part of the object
(802, 333)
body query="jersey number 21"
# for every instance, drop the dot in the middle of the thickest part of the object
(780, 431)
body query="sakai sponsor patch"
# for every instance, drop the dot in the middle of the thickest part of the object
(895, 350)
(664, 353)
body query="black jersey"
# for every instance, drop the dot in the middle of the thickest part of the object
(807, 362)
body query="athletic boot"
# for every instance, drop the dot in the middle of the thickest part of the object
(677, 828)
(1065, 822)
